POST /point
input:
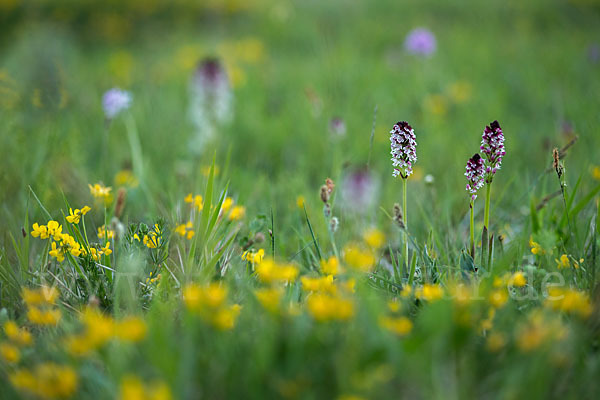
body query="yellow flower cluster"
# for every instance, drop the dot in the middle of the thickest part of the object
(151, 280)
(536, 248)
(99, 329)
(126, 178)
(270, 298)
(152, 239)
(64, 243)
(41, 305)
(397, 324)
(104, 232)
(52, 229)
(132, 388)
(569, 301)
(75, 215)
(325, 307)
(210, 302)
(539, 330)
(237, 213)
(429, 292)
(564, 262)
(331, 266)
(374, 238)
(186, 230)
(195, 201)
(269, 271)
(47, 381)
(498, 296)
(359, 258)
(17, 337)
(255, 257)
(101, 192)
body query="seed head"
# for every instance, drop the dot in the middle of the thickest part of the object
(398, 215)
(492, 147)
(404, 149)
(556, 163)
(475, 174)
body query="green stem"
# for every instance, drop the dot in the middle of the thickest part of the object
(472, 228)
(405, 220)
(486, 218)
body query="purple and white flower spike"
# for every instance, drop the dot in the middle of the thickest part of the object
(114, 101)
(492, 147)
(404, 149)
(475, 174)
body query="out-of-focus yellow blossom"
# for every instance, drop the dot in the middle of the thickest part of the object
(498, 297)
(536, 248)
(323, 284)
(75, 215)
(195, 201)
(563, 262)
(48, 317)
(131, 329)
(460, 92)
(540, 330)
(400, 326)
(45, 295)
(394, 306)
(101, 192)
(417, 174)
(358, 258)
(120, 66)
(349, 285)
(429, 292)
(103, 233)
(9, 353)
(125, 177)
(331, 266)
(495, 342)
(300, 202)
(569, 301)
(517, 279)
(324, 307)
(224, 318)
(269, 298)
(206, 170)
(596, 172)
(186, 230)
(255, 257)
(461, 293)
(406, 291)
(227, 204)
(47, 380)
(132, 388)
(436, 104)
(488, 323)
(17, 335)
(237, 213)
(197, 297)
(269, 271)
(374, 238)
(153, 279)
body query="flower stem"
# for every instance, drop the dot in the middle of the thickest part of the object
(486, 218)
(405, 220)
(472, 229)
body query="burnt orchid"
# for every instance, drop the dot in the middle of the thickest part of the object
(475, 173)
(404, 155)
(492, 147)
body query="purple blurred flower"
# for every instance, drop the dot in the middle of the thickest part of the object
(404, 149)
(359, 190)
(337, 127)
(210, 99)
(475, 174)
(420, 41)
(594, 53)
(114, 101)
(492, 146)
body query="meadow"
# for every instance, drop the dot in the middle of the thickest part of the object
(299, 199)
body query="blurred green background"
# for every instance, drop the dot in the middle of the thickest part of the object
(294, 65)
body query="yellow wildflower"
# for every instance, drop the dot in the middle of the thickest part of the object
(268, 271)
(103, 233)
(430, 292)
(569, 301)
(536, 248)
(237, 213)
(539, 330)
(45, 295)
(374, 238)
(131, 329)
(300, 202)
(132, 388)
(75, 216)
(254, 257)
(43, 317)
(224, 318)
(17, 335)
(40, 231)
(186, 230)
(406, 291)
(358, 258)
(495, 342)
(517, 279)
(596, 173)
(324, 307)
(394, 306)
(563, 262)
(498, 297)
(400, 326)
(197, 298)
(10, 353)
(48, 381)
(227, 204)
(54, 230)
(195, 201)
(331, 266)
(126, 178)
(324, 284)
(101, 192)
(269, 298)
